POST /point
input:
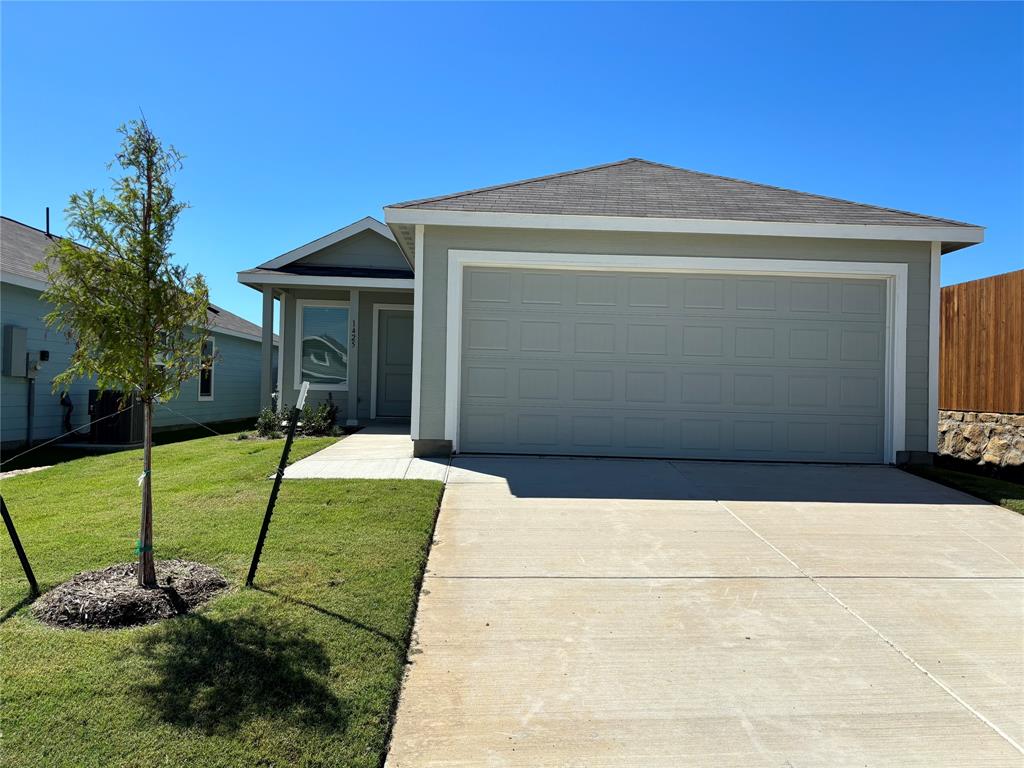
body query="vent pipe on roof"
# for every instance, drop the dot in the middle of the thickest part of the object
(47, 221)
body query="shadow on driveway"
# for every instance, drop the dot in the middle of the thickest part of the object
(649, 479)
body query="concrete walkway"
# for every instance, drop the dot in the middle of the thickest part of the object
(378, 452)
(643, 613)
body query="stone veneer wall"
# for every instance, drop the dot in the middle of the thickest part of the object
(987, 438)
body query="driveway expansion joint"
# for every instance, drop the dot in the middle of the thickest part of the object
(878, 633)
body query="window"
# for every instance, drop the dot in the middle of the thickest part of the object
(322, 344)
(206, 372)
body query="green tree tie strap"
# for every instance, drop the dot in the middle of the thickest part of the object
(139, 549)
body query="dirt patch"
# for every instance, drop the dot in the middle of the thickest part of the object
(112, 598)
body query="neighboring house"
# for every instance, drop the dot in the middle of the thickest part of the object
(981, 370)
(227, 391)
(629, 309)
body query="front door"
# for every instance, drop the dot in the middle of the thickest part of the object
(393, 369)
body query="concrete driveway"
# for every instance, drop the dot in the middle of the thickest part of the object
(587, 612)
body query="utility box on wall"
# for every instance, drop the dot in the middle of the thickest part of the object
(15, 353)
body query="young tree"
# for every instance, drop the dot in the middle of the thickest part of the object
(138, 321)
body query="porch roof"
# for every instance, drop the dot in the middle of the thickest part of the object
(327, 277)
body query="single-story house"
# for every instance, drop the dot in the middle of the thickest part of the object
(629, 309)
(227, 391)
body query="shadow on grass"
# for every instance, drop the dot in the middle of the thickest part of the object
(396, 642)
(9, 613)
(217, 674)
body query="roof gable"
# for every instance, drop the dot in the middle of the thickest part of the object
(335, 243)
(640, 188)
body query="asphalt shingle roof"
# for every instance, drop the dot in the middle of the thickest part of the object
(636, 187)
(22, 247)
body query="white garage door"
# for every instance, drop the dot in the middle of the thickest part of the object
(630, 364)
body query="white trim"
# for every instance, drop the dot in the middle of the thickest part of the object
(934, 299)
(373, 356)
(301, 304)
(352, 369)
(213, 374)
(355, 228)
(956, 234)
(24, 282)
(894, 274)
(313, 281)
(417, 334)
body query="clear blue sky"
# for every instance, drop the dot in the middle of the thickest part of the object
(300, 118)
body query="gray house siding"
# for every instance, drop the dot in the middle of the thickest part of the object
(439, 239)
(236, 379)
(236, 391)
(364, 344)
(21, 307)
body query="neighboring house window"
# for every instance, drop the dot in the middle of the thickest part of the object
(321, 343)
(206, 372)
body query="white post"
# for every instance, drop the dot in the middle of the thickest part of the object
(267, 347)
(417, 333)
(353, 359)
(934, 323)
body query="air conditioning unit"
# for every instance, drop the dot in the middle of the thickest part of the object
(108, 427)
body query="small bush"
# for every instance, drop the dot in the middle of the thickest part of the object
(242, 436)
(318, 420)
(268, 423)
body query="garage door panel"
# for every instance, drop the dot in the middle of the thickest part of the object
(568, 384)
(671, 365)
(661, 432)
(677, 340)
(751, 297)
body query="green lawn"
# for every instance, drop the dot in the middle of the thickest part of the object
(302, 671)
(1001, 492)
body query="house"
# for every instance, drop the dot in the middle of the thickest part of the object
(227, 391)
(628, 309)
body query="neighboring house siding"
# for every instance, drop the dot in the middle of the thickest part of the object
(236, 379)
(21, 307)
(438, 240)
(364, 345)
(236, 388)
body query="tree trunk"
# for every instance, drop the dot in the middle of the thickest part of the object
(147, 568)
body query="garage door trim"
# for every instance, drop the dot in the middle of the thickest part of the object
(894, 274)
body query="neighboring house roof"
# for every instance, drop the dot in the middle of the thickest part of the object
(641, 188)
(22, 247)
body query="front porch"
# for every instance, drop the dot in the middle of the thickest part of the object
(345, 321)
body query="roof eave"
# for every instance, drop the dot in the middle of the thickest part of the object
(257, 280)
(968, 235)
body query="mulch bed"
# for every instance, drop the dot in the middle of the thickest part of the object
(112, 598)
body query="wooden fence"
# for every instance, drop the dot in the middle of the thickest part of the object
(981, 360)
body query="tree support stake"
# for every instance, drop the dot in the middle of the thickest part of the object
(33, 585)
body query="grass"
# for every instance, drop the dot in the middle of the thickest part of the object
(1002, 492)
(302, 671)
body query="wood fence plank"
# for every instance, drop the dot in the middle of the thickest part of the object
(981, 345)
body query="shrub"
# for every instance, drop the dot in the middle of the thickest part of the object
(318, 420)
(268, 423)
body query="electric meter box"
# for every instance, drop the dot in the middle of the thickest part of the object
(15, 359)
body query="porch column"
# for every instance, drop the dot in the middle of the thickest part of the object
(353, 359)
(267, 347)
